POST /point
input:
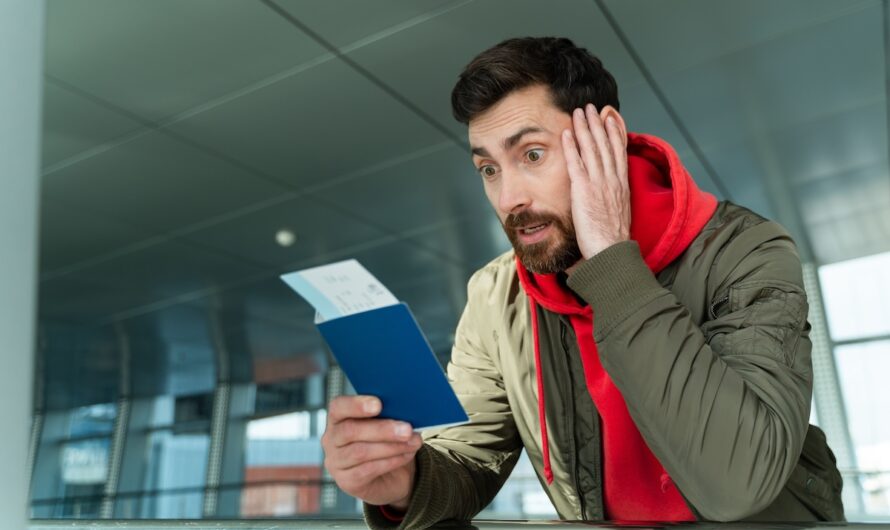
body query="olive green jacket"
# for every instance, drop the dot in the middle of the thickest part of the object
(712, 357)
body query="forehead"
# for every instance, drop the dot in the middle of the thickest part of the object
(528, 107)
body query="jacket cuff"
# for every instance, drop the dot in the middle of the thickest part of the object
(422, 499)
(391, 514)
(616, 283)
(375, 519)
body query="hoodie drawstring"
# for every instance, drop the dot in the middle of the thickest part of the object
(542, 416)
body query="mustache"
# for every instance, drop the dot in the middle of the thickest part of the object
(528, 218)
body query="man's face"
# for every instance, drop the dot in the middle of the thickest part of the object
(518, 152)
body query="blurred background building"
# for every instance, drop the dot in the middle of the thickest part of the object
(194, 150)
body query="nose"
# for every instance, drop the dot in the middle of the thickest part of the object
(514, 194)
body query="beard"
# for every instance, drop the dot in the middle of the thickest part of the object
(554, 254)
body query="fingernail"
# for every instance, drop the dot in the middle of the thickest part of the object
(403, 429)
(591, 108)
(372, 406)
(610, 120)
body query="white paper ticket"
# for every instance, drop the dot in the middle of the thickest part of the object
(340, 289)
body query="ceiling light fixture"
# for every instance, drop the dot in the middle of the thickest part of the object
(285, 237)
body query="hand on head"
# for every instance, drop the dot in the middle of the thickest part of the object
(596, 159)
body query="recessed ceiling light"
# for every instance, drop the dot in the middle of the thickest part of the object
(285, 237)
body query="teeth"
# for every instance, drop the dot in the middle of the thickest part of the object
(533, 229)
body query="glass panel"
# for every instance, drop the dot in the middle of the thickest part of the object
(173, 478)
(84, 470)
(194, 408)
(857, 297)
(71, 465)
(164, 467)
(522, 496)
(85, 461)
(863, 369)
(272, 459)
(82, 501)
(93, 420)
(283, 471)
(283, 395)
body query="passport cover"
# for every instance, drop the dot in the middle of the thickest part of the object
(385, 354)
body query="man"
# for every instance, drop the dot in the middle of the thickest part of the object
(646, 345)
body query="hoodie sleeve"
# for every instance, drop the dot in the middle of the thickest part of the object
(724, 406)
(460, 469)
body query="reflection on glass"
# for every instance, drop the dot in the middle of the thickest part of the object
(282, 395)
(272, 460)
(283, 466)
(92, 420)
(72, 462)
(85, 461)
(164, 466)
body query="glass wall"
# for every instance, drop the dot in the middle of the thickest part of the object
(165, 457)
(194, 151)
(72, 468)
(270, 461)
(273, 459)
(857, 300)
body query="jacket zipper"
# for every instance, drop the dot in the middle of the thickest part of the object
(717, 304)
(574, 452)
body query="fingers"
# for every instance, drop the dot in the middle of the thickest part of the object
(601, 140)
(358, 453)
(364, 430)
(347, 407)
(361, 449)
(619, 149)
(600, 145)
(352, 419)
(362, 474)
(577, 172)
(586, 144)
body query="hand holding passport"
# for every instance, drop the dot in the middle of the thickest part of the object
(378, 344)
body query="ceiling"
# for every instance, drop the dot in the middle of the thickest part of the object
(180, 135)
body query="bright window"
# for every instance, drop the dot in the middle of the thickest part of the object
(857, 307)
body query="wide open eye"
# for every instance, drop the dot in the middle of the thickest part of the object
(488, 171)
(534, 155)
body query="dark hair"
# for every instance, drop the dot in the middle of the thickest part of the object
(575, 76)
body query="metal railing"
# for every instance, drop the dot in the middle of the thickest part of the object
(187, 502)
(302, 498)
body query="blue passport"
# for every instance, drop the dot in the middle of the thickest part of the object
(384, 354)
(378, 344)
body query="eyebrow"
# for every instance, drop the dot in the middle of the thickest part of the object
(510, 142)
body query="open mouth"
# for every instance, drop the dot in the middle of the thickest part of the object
(533, 229)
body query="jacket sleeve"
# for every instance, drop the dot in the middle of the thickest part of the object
(724, 406)
(460, 469)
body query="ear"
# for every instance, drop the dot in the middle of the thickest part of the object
(609, 110)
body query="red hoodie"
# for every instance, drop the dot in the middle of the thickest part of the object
(667, 212)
